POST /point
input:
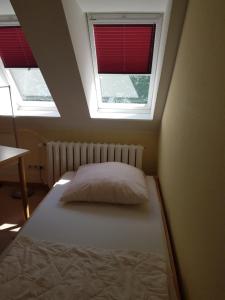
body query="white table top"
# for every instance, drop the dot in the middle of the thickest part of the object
(9, 153)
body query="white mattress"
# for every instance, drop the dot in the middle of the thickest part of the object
(132, 227)
(98, 225)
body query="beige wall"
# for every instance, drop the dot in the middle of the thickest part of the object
(192, 148)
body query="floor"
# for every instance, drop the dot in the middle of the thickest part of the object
(11, 211)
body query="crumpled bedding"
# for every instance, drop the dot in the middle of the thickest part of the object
(44, 270)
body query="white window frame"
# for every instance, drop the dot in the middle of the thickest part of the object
(126, 18)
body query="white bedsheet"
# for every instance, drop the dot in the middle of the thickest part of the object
(49, 271)
(98, 225)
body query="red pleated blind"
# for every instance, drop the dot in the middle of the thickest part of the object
(14, 49)
(124, 49)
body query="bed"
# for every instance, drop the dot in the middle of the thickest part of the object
(129, 238)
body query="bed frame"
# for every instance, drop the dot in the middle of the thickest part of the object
(64, 157)
(68, 156)
(170, 245)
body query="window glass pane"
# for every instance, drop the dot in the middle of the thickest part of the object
(124, 88)
(31, 84)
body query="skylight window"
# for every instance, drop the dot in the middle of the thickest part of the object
(29, 90)
(124, 51)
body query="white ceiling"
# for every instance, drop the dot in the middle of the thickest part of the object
(123, 5)
(6, 8)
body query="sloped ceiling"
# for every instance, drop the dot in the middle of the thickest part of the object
(46, 29)
(6, 8)
(122, 5)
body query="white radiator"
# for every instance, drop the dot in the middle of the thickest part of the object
(64, 156)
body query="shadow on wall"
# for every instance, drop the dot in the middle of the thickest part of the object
(35, 161)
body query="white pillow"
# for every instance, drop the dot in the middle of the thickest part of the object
(110, 182)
